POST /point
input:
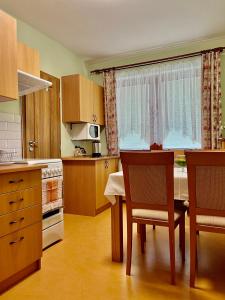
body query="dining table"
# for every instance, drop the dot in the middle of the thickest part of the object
(115, 193)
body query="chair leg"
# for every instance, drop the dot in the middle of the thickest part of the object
(182, 237)
(129, 246)
(193, 255)
(143, 237)
(172, 253)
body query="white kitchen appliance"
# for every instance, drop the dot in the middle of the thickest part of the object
(85, 131)
(52, 200)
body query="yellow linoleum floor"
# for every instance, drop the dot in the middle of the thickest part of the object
(80, 267)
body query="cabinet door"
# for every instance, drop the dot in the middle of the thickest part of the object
(101, 179)
(71, 98)
(77, 99)
(28, 59)
(103, 169)
(20, 249)
(86, 100)
(98, 104)
(79, 187)
(8, 58)
(112, 166)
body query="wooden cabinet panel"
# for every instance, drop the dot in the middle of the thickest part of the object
(28, 59)
(20, 219)
(86, 100)
(19, 181)
(20, 249)
(79, 188)
(84, 185)
(98, 95)
(8, 58)
(10, 202)
(20, 225)
(70, 99)
(82, 100)
(100, 183)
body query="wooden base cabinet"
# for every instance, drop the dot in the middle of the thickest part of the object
(84, 185)
(20, 226)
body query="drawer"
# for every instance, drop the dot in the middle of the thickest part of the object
(19, 181)
(20, 249)
(10, 202)
(20, 219)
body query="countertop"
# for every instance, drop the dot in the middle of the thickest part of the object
(20, 168)
(70, 158)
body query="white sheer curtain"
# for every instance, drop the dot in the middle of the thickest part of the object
(160, 104)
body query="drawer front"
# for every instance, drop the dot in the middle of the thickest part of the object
(18, 200)
(20, 249)
(19, 181)
(20, 219)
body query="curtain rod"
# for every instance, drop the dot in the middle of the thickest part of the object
(156, 61)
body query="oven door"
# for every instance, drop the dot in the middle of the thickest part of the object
(52, 193)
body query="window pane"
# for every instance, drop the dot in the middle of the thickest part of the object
(160, 104)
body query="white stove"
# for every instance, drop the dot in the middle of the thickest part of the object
(52, 199)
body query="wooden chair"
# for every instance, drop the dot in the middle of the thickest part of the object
(149, 188)
(156, 146)
(206, 185)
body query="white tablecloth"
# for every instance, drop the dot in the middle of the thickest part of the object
(115, 185)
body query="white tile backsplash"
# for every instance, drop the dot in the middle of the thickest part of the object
(14, 144)
(14, 126)
(7, 117)
(3, 125)
(17, 118)
(3, 144)
(10, 133)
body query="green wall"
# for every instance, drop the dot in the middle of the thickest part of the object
(55, 60)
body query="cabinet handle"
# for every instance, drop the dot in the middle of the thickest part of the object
(13, 201)
(16, 181)
(16, 241)
(16, 221)
(106, 164)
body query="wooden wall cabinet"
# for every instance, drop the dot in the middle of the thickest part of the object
(82, 100)
(20, 225)
(28, 59)
(8, 58)
(84, 184)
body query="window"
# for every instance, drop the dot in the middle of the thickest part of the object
(160, 104)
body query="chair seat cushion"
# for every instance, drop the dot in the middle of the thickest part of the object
(160, 215)
(210, 220)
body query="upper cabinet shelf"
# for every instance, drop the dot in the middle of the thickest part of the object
(28, 59)
(82, 100)
(8, 58)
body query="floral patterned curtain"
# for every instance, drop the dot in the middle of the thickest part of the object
(110, 112)
(211, 100)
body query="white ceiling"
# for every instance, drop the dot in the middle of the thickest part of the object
(100, 28)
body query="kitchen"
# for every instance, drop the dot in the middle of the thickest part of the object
(85, 91)
(32, 136)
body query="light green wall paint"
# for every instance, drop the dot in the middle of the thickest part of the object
(55, 60)
(10, 107)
